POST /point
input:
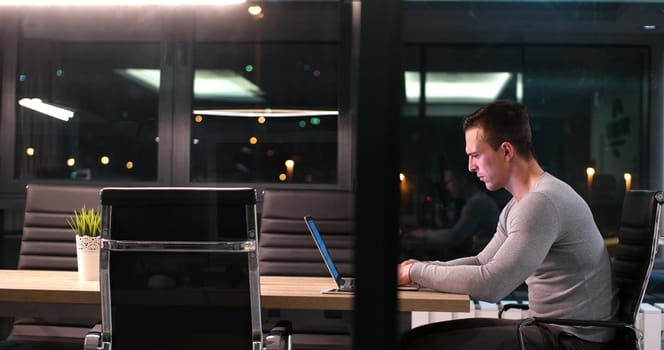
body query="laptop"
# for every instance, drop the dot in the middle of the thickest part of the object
(344, 284)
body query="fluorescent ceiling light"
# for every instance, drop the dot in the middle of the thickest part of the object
(148, 78)
(36, 104)
(225, 83)
(208, 83)
(442, 87)
(267, 112)
(412, 82)
(134, 3)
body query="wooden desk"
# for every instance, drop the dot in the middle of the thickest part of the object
(62, 287)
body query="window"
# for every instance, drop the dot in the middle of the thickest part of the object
(586, 104)
(86, 110)
(273, 117)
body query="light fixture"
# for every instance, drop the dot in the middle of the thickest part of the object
(38, 105)
(628, 181)
(208, 83)
(267, 112)
(649, 27)
(254, 10)
(117, 3)
(462, 87)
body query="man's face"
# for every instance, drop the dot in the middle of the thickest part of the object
(490, 165)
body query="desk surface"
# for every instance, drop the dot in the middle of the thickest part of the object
(63, 287)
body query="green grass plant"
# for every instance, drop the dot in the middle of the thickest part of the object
(87, 222)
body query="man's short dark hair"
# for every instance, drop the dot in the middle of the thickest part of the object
(503, 121)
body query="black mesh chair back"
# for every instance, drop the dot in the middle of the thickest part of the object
(179, 269)
(48, 243)
(635, 253)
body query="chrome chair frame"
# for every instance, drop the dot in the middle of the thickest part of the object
(101, 338)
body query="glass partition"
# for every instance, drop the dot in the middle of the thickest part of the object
(587, 89)
(269, 114)
(589, 73)
(86, 104)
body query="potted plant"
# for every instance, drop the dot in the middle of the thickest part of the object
(87, 226)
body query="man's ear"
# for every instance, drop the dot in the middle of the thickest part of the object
(508, 150)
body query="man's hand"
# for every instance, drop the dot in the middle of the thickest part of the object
(403, 272)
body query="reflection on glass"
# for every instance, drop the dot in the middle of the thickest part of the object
(452, 87)
(255, 106)
(585, 104)
(107, 119)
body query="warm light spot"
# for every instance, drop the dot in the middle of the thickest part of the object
(628, 181)
(261, 120)
(253, 140)
(282, 177)
(402, 177)
(254, 10)
(129, 165)
(198, 118)
(30, 151)
(269, 153)
(590, 171)
(289, 163)
(71, 162)
(308, 178)
(104, 160)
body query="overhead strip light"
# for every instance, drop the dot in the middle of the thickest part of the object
(36, 104)
(225, 83)
(117, 3)
(445, 87)
(208, 83)
(267, 112)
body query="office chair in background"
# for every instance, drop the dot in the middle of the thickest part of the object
(48, 243)
(287, 249)
(179, 270)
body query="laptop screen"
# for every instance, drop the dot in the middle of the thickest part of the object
(321, 246)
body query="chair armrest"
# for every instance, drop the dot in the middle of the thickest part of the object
(279, 336)
(93, 339)
(506, 307)
(572, 322)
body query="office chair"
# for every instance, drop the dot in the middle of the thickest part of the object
(179, 270)
(632, 264)
(48, 243)
(287, 249)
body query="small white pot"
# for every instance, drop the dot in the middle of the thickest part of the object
(87, 257)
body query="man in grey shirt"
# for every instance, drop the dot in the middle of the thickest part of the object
(546, 236)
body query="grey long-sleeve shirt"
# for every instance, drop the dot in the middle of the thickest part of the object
(550, 240)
